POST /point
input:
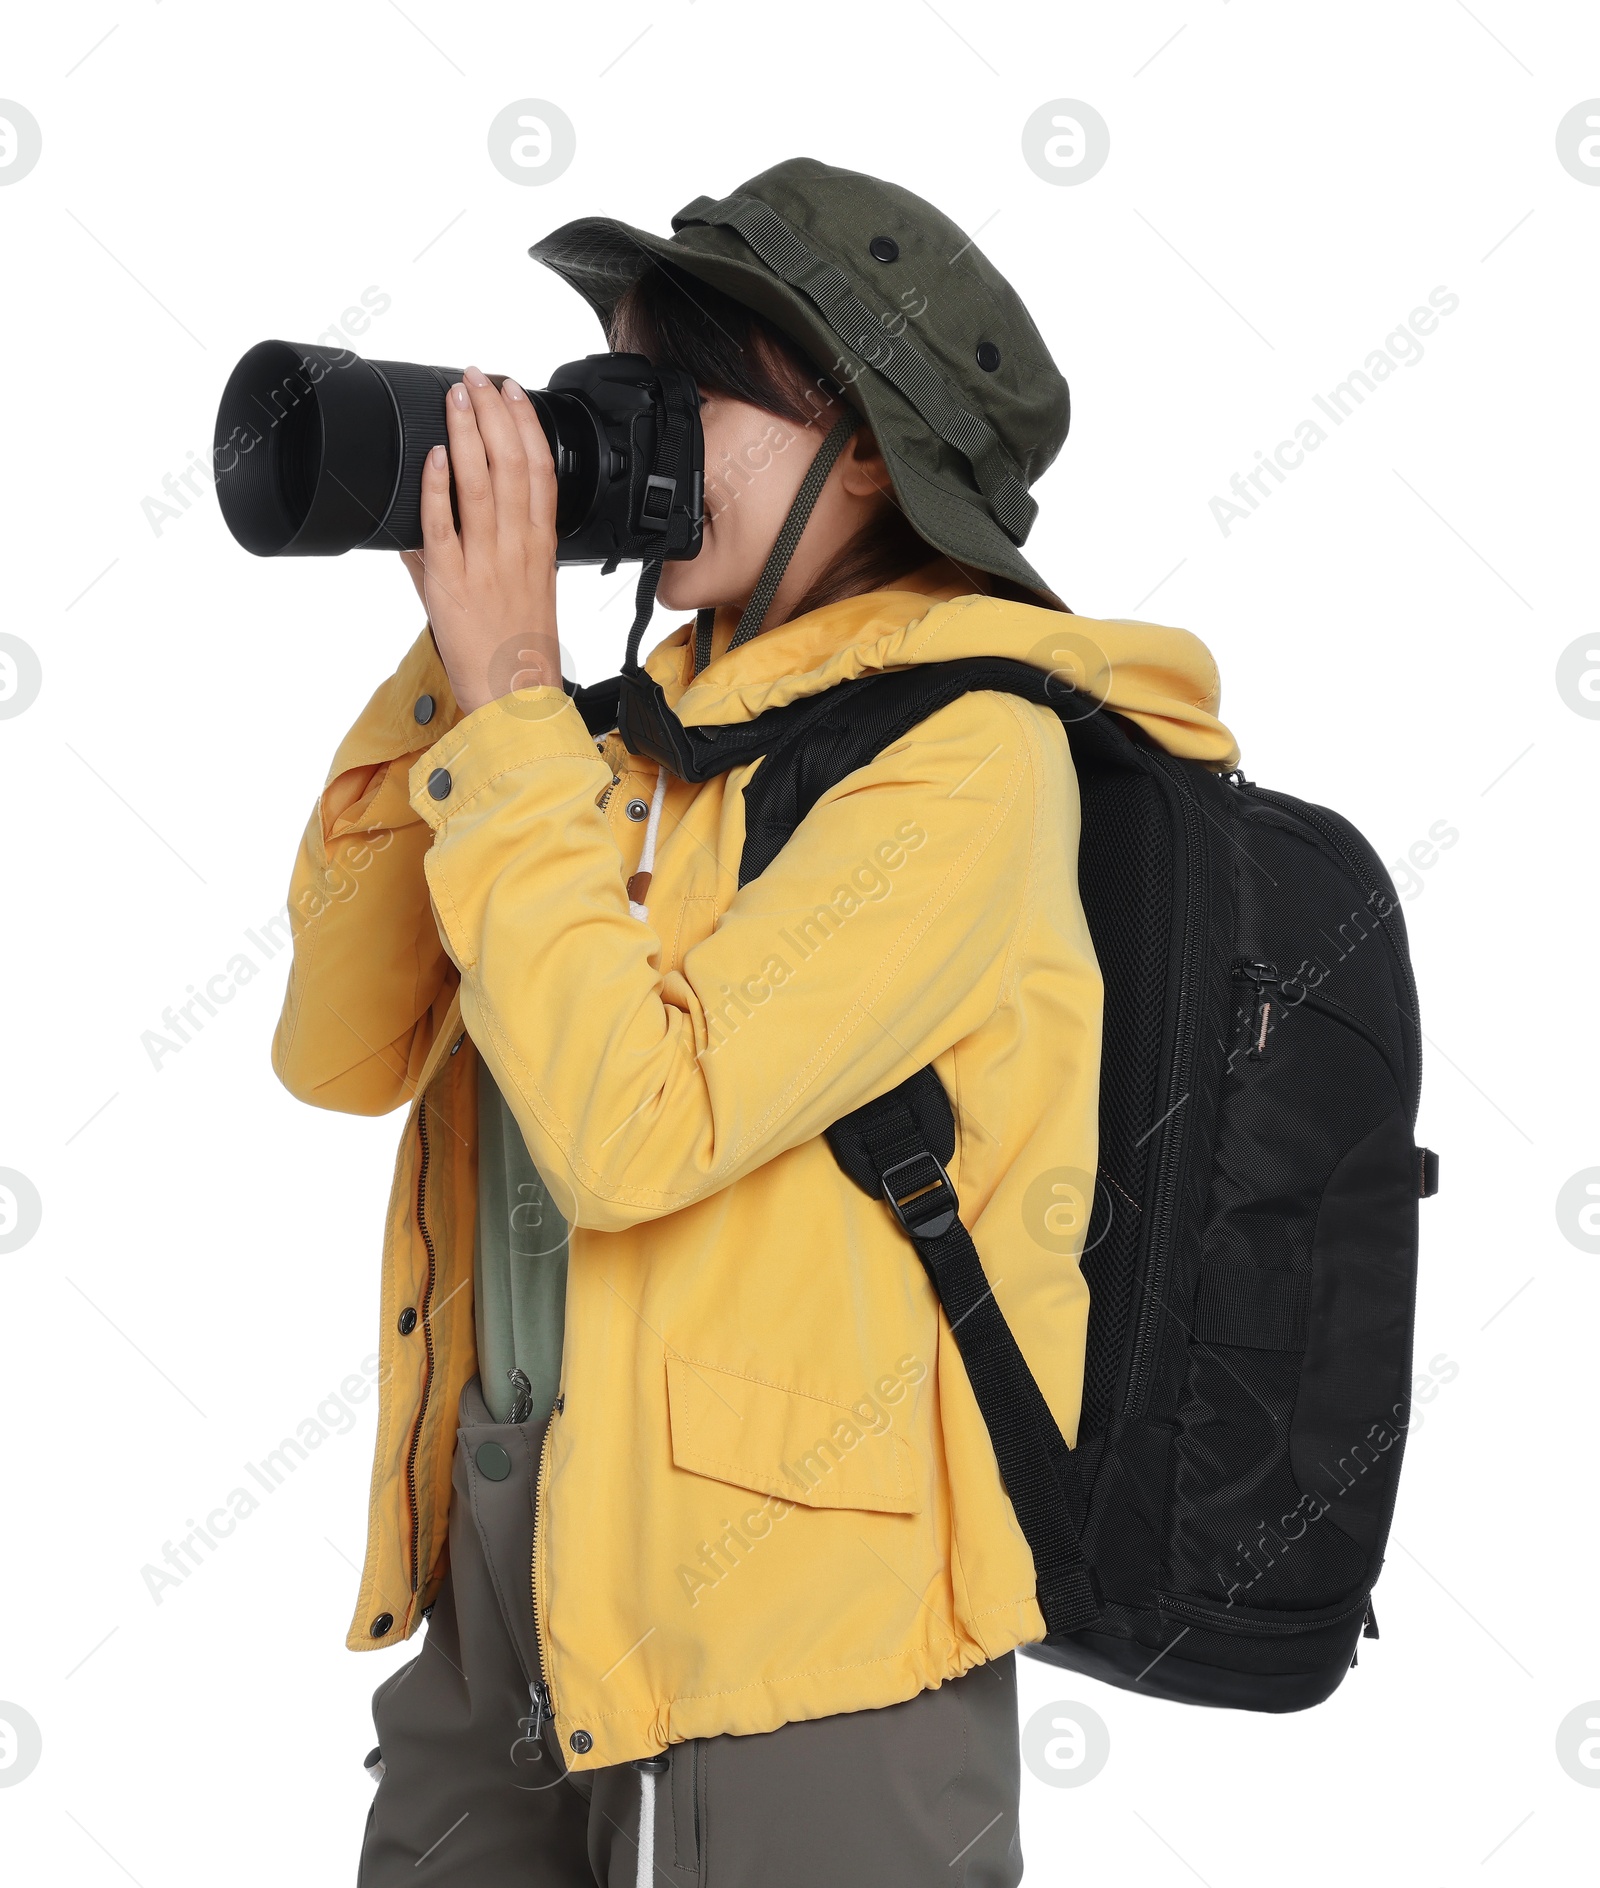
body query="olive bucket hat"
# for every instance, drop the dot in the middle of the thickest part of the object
(897, 305)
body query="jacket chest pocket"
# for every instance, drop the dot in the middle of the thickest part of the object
(752, 1434)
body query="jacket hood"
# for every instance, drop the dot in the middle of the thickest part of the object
(1163, 679)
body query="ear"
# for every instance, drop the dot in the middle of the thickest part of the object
(862, 470)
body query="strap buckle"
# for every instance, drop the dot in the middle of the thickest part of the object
(655, 508)
(922, 1198)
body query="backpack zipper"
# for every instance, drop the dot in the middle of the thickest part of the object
(1174, 1123)
(427, 1340)
(1361, 871)
(1258, 974)
(1215, 1616)
(1339, 1012)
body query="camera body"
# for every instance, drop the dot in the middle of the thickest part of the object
(615, 408)
(319, 452)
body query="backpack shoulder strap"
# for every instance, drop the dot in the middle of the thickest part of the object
(891, 1148)
(850, 725)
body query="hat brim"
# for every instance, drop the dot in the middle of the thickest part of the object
(601, 258)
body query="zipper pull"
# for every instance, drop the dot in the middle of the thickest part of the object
(540, 1694)
(532, 1727)
(1258, 975)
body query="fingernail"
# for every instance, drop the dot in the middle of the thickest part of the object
(511, 390)
(475, 377)
(438, 458)
(459, 394)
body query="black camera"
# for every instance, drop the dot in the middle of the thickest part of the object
(318, 452)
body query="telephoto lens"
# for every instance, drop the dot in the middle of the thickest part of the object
(318, 452)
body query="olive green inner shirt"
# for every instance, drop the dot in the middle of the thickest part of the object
(519, 1264)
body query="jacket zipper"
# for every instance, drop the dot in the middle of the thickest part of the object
(1174, 1136)
(1320, 823)
(544, 1703)
(427, 1341)
(544, 1706)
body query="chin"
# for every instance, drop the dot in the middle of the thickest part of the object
(678, 589)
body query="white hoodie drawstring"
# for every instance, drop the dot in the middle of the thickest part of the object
(639, 884)
(647, 1768)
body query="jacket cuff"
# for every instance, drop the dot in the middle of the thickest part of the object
(413, 708)
(516, 730)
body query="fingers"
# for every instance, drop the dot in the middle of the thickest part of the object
(536, 450)
(508, 463)
(441, 548)
(470, 463)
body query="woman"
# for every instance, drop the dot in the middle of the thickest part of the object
(776, 1581)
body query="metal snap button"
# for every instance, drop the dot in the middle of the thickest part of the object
(493, 1462)
(638, 809)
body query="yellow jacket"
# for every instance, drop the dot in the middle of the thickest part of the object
(767, 1493)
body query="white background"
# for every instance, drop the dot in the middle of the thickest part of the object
(1285, 184)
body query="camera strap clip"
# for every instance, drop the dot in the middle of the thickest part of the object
(655, 508)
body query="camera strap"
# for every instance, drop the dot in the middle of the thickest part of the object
(647, 724)
(644, 604)
(783, 548)
(681, 521)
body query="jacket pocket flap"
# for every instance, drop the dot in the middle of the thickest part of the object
(758, 1435)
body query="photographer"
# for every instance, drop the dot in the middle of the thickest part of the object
(698, 1501)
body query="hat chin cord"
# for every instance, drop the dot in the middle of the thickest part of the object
(755, 611)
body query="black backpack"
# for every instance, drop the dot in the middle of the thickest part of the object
(1251, 1253)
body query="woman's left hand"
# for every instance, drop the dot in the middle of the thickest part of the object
(490, 587)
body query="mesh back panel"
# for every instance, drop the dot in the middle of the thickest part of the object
(1124, 876)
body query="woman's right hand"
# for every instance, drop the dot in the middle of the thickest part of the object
(413, 562)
